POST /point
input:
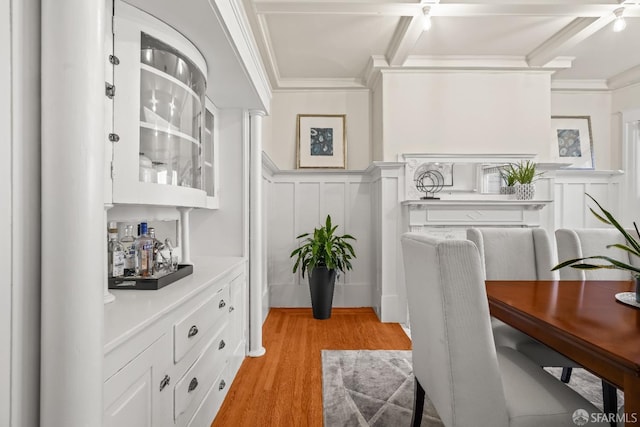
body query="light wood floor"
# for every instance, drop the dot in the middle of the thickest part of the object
(283, 388)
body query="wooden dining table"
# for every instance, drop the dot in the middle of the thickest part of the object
(583, 321)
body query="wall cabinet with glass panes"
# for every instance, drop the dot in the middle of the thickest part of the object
(164, 154)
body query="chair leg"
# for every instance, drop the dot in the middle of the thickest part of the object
(609, 401)
(418, 405)
(566, 375)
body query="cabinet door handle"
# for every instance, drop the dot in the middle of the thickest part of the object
(193, 384)
(231, 308)
(222, 385)
(165, 382)
(193, 331)
(221, 345)
(222, 304)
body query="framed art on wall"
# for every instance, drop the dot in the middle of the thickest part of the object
(322, 141)
(572, 142)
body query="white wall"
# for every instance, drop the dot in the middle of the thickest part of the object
(466, 112)
(280, 139)
(597, 105)
(300, 202)
(377, 122)
(221, 232)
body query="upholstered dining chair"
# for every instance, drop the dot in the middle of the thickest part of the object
(518, 254)
(579, 243)
(525, 254)
(469, 380)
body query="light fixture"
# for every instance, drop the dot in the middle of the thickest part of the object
(426, 23)
(619, 24)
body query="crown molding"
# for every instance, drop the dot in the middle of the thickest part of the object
(624, 79)
(321, 84)
(482, 62)
(579, 85)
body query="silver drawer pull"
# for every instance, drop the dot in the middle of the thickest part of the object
(193, 384)
(193, 331)
(165, 382)
(222, 385)
(231, 308)
(222, 304)
(221, 345)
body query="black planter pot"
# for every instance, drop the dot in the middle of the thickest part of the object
(322, 281)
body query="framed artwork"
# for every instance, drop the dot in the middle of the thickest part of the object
(572, 142)
(322, 141)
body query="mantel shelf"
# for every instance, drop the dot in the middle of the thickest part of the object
(476, 203)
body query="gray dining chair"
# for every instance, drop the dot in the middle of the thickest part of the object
(456, 363)
(518, 254)
(579, 243)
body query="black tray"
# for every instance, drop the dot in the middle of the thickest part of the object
(151, 283)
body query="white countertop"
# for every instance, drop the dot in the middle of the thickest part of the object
(133, 310)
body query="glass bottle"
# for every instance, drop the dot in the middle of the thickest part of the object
(129, 243)
(144, 253)
(116, 255)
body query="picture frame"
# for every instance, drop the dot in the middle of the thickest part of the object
(572, 141)
(321, 141)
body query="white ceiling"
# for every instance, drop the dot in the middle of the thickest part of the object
(342, 44)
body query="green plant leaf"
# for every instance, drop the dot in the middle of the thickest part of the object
(612, 220)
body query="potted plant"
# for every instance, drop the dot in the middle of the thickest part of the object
(508, 175)
(524, 174)
(322, 255)
(632, 247)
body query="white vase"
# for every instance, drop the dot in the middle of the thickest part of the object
(525, 191)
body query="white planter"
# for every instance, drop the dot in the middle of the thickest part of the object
(525, 191)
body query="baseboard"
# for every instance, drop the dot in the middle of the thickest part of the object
(349, 295)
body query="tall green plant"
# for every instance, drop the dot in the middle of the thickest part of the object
(324, 249)
(632, 247)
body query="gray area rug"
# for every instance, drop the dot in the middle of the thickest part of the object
(375, 388)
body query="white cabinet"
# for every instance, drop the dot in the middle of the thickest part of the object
(139, 394)
(158, 115)
(171, 354)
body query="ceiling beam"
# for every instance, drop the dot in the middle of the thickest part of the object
(404, 39)
(577, 31)
(468, 8)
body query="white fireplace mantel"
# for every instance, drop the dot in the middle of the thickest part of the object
(472, 212)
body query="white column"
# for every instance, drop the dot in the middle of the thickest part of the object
(255, 237)
(185, 241)
(73, 138)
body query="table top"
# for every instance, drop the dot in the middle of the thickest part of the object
(581, 319)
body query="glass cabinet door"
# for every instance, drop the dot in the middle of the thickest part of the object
(171, 105)
(210, 155)
(159, 109)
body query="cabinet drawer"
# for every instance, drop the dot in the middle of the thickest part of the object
(199, 377)
(193, 327)
(212, 402)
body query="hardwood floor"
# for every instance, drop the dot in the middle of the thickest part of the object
(283, 388)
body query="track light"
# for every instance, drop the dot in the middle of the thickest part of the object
(619, 24)
(426, 23)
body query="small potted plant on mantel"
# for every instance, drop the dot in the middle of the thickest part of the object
(522, 176)
(632, 247)
(322, 256)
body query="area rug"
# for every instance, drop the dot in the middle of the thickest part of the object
(375, 388)
(370, 388)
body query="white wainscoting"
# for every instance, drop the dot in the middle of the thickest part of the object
(571, 208)
(298, 202)
(368, 205)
